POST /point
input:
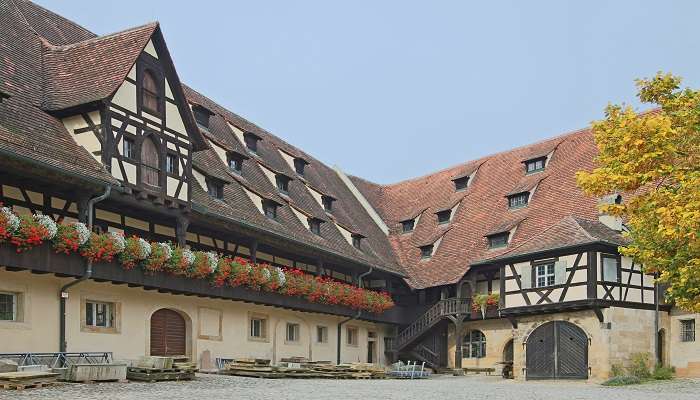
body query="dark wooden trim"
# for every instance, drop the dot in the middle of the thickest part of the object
(570, 278)
(592, 274)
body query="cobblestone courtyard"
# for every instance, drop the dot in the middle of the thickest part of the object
(211, 387)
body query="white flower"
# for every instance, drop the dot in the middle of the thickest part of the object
(144, 249)
(11, 218)
(281, 277)
(266, 274)
(118, 241)
(83, 232)
(167, 250)
(48, 223)
(213, 259)
(188, 256)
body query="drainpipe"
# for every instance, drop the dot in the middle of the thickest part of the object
(656, 321)
(63, 293)
(356, 316)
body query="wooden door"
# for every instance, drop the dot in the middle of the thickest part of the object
(150, 163)
(168, 333)
(557, 349)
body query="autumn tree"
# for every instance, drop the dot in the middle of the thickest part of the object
(654, 158)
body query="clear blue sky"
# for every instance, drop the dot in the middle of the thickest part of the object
(390, 90)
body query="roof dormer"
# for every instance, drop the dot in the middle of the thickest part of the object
(251, 141)
(201, 116)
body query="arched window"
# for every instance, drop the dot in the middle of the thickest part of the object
(474, 345)
(150, 93)
(150, 163)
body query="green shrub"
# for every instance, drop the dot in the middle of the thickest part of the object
(616, 370)
(663, 373)
(622, 381)
(640, 366)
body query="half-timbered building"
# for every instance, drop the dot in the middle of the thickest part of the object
(497, 261)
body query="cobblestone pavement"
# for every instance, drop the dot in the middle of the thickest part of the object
(212, 387)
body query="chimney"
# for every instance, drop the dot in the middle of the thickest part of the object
(611, 221)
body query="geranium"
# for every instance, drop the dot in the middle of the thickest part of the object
(160, 253)
(119, 241)
(213, 260)
(223, 272)
(30, 233)
(180, 261)
(9, 223)
(102, 247)
(48, 224)
(201, 266)
(135, 250)
(67, 239)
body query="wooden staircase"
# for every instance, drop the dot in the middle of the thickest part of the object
(427, 321)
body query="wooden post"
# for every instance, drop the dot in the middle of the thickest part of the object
(182, 223)
(254, 251)
(459, 324)
(83, 209)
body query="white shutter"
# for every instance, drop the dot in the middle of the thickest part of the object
(560, 272)
(526, 277)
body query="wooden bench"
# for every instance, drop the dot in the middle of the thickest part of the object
(475, 370)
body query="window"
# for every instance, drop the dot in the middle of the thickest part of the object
(357, 241)
(474, 345)
(8, 306)
(299, 164)
(327, 203)
(270, 209)
(518, 200)
(99, 314)
(235, 162)
(461, 183)
(215, 188)
(128, 149)
(498, 240)
(292, 332)
(251, 141)
(315, 225)
(171, 166)
(408, 225)
(444, 216)
(150, 94)
(258, 327)
(352, 336)
(150, 162)
(426, 251)
(201, 116)
(544, 275)
(282, 183)
(321, 334)
(688, 330)
(535, 165)
(610, 268)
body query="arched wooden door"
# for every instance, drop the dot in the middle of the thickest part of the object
(150, 162)
(168, 333)
(557, 349)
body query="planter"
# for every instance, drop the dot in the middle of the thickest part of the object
(95, 372)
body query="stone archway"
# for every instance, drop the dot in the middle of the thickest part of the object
(557, 349)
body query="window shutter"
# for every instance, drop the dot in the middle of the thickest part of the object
(560, 272)
(526, 277)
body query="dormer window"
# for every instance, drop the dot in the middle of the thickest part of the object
(150, 92)
(535, 165)
(498, 240)
(426, 251)
(235, 162)
(270, 209)
(215, 188)
(408, 225)
(201, 116)
(282, 183)
(357, 241)
(518, 200)
(299, 164)
(3, 96)
(251, 141)
(461, 183)
(315, 226)
(444, 216)
(327, 203)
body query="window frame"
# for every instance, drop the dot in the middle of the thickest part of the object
(14, 298)
(352, 340)
(175, 171)
(687, 330)
(198, 110)
(423, 254)
(441, 216)
(250, 140)
(321, 334)
(494, 244)
(218, 187)
(618, 268)
(546, 275)
(282, 183)
(131, 147)
(262, 330)
(92, 321)
(461, 183)
(270, 205)
(157, 78)
(474, 340)
(299, 165)
(357, 241)
(407, 222)
(523, 200)
(534, 161)
(237, 162)
(327, 202)
(295, 329)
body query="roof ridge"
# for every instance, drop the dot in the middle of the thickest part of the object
(96, 39)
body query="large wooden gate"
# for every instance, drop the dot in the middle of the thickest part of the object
(557, 349)
(168, 333)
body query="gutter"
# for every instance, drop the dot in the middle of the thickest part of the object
(356, 316)
(63, 292)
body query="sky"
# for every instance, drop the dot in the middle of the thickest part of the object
(390, 90)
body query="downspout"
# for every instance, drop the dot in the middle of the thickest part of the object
(356, 316)
(63, 292)
(657, 352)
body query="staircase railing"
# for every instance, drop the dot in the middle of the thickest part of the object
(426, 354)
(431, 317)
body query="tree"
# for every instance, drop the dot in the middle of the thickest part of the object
(654, 158)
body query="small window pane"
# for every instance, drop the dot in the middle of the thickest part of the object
(171, 164)
(534, 165)
(321, 334)
(270, 209)
(426, 251)
(215, 189)
(688, 330)
(257, 327)
(544, 275)
(282, 183)
(461, 183)
(474, 345)
(500, 240)
(610, 269)
(408, 225)
(251, 142)
(327, 203)
(518, 200)
(299, 165)
(8, 307)
(444, 216)
(357, 241)
(99, 314)
(128, 148)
